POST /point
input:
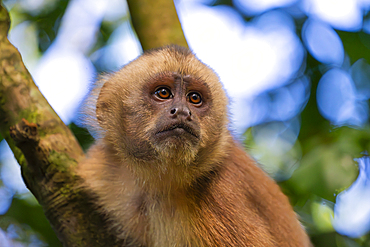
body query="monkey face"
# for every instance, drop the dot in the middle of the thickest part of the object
(178, 103)
(166, 105)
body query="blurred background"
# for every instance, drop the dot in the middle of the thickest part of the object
(296, 73)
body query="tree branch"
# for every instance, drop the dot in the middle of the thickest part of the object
(46, 150)
(156, 23)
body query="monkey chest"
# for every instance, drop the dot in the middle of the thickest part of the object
(163, 225)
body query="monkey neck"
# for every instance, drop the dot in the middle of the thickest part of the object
(161, 176)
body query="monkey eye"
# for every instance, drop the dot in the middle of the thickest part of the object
(163, 93)
(194, 98)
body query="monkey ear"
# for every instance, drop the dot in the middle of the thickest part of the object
(103, 104)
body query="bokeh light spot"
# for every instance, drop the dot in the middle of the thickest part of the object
(323, 42)
(352, 208)
(336, 99)
(340, 14)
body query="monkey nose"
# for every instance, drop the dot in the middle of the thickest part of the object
(178, 112)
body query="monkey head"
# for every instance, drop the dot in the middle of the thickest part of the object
(166, 107)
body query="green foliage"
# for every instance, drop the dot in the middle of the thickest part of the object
(83, 136)
(47, 20)
(27, 215)
(356, 45)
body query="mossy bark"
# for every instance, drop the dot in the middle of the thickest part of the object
(156, 23)
(46, 150)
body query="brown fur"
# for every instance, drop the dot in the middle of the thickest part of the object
(198, 189)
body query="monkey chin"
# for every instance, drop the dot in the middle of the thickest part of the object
(177, 143)
(177, 149)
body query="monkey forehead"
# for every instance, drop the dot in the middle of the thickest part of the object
(174, 60)
(179, 60)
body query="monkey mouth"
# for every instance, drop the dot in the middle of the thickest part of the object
(178, 129)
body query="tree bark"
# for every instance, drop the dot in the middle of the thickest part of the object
(156, 23)
(46, 150)
(44, 146)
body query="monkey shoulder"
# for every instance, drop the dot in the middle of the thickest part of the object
(249, 204)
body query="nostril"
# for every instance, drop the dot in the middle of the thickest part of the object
(173, 111)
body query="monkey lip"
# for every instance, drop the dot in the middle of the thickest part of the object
(178, 128)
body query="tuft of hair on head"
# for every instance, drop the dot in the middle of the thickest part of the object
(87, 111)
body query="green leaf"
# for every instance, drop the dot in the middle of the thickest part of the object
(83, 136)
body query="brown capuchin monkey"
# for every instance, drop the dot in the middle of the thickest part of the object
(165, 169)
